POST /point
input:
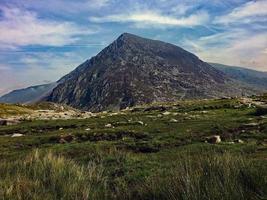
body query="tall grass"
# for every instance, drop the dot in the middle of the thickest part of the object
(51, 177)
(209, 177)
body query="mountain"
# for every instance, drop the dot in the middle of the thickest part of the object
(28, 95)
(133, 70)
(251, 77)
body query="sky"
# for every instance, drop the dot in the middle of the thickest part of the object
(42, 40)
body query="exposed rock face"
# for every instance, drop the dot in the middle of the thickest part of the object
(134, 70)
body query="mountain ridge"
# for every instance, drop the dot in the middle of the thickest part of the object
(29, 94)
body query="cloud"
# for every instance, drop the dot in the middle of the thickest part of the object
(20, 28)
(36, 68)
(154, 18)
(234, 47)
(249, 12)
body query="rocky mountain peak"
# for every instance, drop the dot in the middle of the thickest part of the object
(133, 70)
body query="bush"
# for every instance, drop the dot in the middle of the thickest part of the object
(219, 177)
(51, 177)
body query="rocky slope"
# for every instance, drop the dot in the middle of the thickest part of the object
(134, 70)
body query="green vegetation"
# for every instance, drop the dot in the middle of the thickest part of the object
(150, 152)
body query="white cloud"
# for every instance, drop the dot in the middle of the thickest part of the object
(181, 9)
(36, 68)
(247, 13)
(236, 47)
(155, 18)
(20, 27)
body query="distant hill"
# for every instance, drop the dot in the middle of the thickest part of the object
(28, 95)
(251, 77)
(135, 70)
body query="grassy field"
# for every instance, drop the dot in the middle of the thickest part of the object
(150, 152)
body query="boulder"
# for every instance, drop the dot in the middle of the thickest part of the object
(140, 122)
(108, 126)
(214, 139)
(173, 120)
(166, 113)
(17, 135)
(7, 122)
(66, 138)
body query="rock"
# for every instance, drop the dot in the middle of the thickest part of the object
(88, 129)
(140, 122)
(66, 138)
(17, 135)
(8, 122)
(174, 120)
(230, 142)
(60, 129)
(238, 141)
(214, 139)
(108, 126)
(252, 124)
(166, 113)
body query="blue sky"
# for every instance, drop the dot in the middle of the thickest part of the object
(42, 40)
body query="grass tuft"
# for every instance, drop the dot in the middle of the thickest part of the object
(51, 177)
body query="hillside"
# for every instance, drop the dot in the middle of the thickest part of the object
(27, 95)
(251, 77)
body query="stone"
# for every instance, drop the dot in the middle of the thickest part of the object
(66, 139)
(166, 113)
(108, 126)
(214, 139)
(252, 124)
(60, 129)
(17, 135)
(174, 120)
(88, 129)
(8, 122)
(238, 141)
(140, 122)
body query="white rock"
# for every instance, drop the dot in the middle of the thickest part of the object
(214, 139)
(88, 129)
(166, 113)
(17, 135)
(140, 122)
(174, 120)
(108, 125)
